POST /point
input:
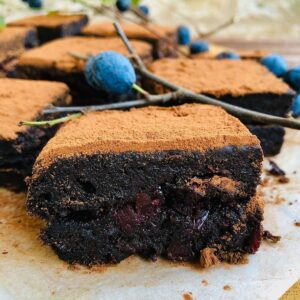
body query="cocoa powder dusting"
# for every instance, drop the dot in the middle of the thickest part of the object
(219, 77)
(148, 129)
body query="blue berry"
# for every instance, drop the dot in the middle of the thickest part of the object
(199, 47)
(292, 77)
(35, 3)
(275, 63)
(296, 106)
(228, 55)
(183, 35)
(111, 72)
(144, 9)
(123, 5)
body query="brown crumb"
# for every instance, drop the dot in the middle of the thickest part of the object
(208, 258)
(297, 224)
(265, 182)
(283, 179)
(4, 252)
(269, 237)
(275, 170)
(279, 200)
(227, 287)
(204, 282)
(187, 296)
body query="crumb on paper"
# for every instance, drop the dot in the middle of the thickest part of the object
(208, 258)
(227, 287)
(274, 169)
(283, 179)
(204, 282)
(297, 224)
(4, 252)
(187, 296)
(279, 200)
(269, 237)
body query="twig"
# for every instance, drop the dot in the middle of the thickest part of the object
(50, 122)
(130, 49)
(153, 99)
(218, 28)
(189, 95)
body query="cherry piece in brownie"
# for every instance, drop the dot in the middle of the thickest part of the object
(243, 83)
(50, 27)
(162, 38)
(19, 146)
(152, 181)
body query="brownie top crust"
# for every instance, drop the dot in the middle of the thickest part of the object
(50, 21)
(220, 77)
(12, 41)
(186, 127)
(56, 53)
(133, 31)
(24, 100)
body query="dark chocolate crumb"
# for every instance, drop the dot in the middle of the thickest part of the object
(297, 224)
(269, 237)
(275, 170)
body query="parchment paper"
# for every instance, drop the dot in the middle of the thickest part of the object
(29, 270)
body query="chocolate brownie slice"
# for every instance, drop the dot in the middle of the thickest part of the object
(53, 62)
(162, 38)
(19, 146)
(13, 42)
(112, 184)
(50, 27)
(243, 83)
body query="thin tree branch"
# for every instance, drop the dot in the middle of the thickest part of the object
(153, 99)
(189, 95)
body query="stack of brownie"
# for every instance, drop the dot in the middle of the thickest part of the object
(19, 146)
(112, 184)
(53, 61)
(243, 83)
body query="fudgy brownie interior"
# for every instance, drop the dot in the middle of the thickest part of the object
(51, 27)
(126, 184)
(19, 146)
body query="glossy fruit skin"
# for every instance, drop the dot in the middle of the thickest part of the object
(183, 35)
(199, 47)
(296, 106)
(123, 5)
(35, 3)
(292, 77)
(228, 55)
(111, 72)
(275, 63)
(144, 9)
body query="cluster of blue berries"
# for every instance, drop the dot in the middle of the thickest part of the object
(276, 64)
(34, 3)
(124, 5)
(199, 46)
(111, 72)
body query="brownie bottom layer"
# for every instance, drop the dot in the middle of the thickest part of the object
(151, 228)
(271, 137)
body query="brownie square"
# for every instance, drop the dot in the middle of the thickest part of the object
(50, 27)
(114, 183)
(19, 146)
(162, 38)
(13, 42)
(244, 83)
(53, 62)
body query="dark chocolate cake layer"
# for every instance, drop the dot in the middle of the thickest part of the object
(127, 183)
(52, 61)
(50, 27)
(179, 226)
(163, 39)
(271, 146)
(19, 146)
